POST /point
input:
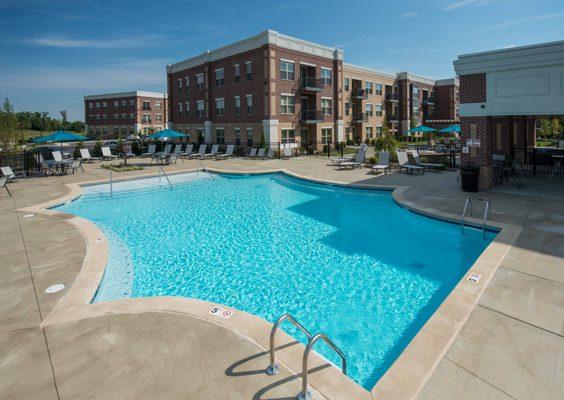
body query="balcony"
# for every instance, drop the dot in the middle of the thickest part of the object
(393, 118)
(359, 118)
(359, 94)
(311, 116)
(429, 101)
(392, 97)
(311, 84)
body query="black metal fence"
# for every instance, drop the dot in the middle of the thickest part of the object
(21, 161)
(535, 161)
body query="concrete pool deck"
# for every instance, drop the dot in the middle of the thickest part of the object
(511, 345)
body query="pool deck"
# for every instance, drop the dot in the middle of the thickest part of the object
(505, 341)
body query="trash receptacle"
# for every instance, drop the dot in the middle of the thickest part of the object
(470, 176)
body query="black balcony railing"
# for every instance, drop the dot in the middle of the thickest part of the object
(393, 117)
(359, 94)
(392, 97)
(312, 116)
(360, 117)
(311, 83)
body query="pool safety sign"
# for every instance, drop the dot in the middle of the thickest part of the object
(221, 312)
(473, 143)
(474, 278)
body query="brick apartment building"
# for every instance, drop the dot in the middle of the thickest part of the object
(275, 88)
(114, 115)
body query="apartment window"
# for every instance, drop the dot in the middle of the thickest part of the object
(220, 107)
(415, 111)
(200, 81)
(303, 135)
(326, 106)
(179, 84)
(347, 108)
(97, 105)
(249, 136)
(90, 105)
(249, 104)
(220, 136)
(237, 72)
(131, 116)
(123, 103)
(146, 105)
(237, 101)
(378, 110)
(187, 106)
(146, 119)
(287, 70)
(287, 104)
(369, 109)
(238, 136)
(187, 82)
(326, 76)
(326, 134)
(415, 92)
(157, 105)
(249, 70)
(179, 108)
(288, 136)
(97, 117)
(200, 108)
(378, 131)
(105, 116)
(347, 84)
(116, 117)
(369, 132)
(219, 77)
(368, 87)
(158, 118)
(379, 89)
(116, 103)
(131, 103)
(105, 104)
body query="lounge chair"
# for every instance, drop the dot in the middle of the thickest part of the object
(429, 166)
(107, 154)
(228, 153)
(150, 151)
(213, 152)
(162, 156)
(383, 163)
(189, 150)
(178, 152)
(57, 156)
(86, 157)
(406, 165)
(46, 166)
(200, 153)
(359, 159)
(252, 153)
(287, 153)
(173, 158)
(3, 180)
(261, 153)
(270, 154)
(75, 165)
(10, 175)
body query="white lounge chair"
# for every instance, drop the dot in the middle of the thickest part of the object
(228, 153)
(287, 153)
(200, 153)
(76, 165)
(10, 175)
(212, 153)
(178, 149)
(150, 151)
(429, 166)
(270, 154)
(359, 159)
(3, 180)
(405, 165)
(57, 156)
(252, 153)
(107, 154)
(261, 153)
(86, 157)
(162, 156)
(189, 150)
(383, 163)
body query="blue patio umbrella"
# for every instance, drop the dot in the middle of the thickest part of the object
(167, 134)
(60, 136)
(421, 128)
(451, 129)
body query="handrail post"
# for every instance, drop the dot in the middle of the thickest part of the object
(272, 368)
(305, 394)
(466, 204)
(161, 170)
(487, 214)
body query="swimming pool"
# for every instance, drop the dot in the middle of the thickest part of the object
(347, 262)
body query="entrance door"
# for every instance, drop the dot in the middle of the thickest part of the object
(304, 107)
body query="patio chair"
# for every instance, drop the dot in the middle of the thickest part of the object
(150, 151)
(178, 150)
(228, 153)
(189, 150)
(10, 175)
(3, 180)
(76, 165)
(173, 158)
(200, 153)
(213, 152)
(429, 166)
(252, 153)
(86, 157)
(270, 154)
(261, 153)
(107, 154)
(404, 164)
(358, 161)
(57, 156)
(287, 153)
(383, 163)
(413, 163)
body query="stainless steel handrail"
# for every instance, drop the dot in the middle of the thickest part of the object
(487, 214)
(305, 394)
(272, 369)
(161, 171)
(466, 204)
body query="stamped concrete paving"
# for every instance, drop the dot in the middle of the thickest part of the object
(510, 347)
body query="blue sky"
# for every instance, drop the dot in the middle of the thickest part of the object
(54, 52)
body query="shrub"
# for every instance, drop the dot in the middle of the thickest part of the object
(135, 148)
(385, 143)
(97, 150)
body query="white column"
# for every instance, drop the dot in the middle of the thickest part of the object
(208, 137)
(340, 130)
(270, 131)
(169, 125)
(137, 128)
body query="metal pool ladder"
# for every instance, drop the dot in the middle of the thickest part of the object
(273, 368)
(161, 173)
(467, 204)
(203, 169)
(487, 214)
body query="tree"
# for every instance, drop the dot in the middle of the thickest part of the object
(545, 128)
(8, 126)
(555, 128)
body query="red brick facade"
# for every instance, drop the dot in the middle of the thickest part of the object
(473, 88)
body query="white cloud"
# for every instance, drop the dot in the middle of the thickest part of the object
(137, 41)
(464, 3)
(410, 14)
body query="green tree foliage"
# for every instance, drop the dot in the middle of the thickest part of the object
(40, 121)
(97, 150)
(385, 143)
(8, 126)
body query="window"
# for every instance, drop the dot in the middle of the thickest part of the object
(369, 108)
(249, 104)
(179, 84)
(347, 84)
(368, 87)
(249, 136)
(378, 110)
(415, 111)
(97, 117)
(287, 104)
(131, 116)
(146, 119)
(238, 136)
(187, 82)
(220, 136)
(200, 81)
(116, 103)
(105, 104)
(347, 108)
(97, 105)
(158, 118)
(369, 132)
(123, 103)
(131, 102)
(326, 135)
(116, 117)
(379, 89)
(237, 101)
(287, 70)
(90, 105)
(303, 135)
(249, 70)
(288, 136)
(200, 108)
(219, 77)
(105, 116)
(237, 72)
(157, 104)
(220, 107)
(187, 106)
(146, 105)
(378, 131)
(326, 106)
(326, 76)
(179, 108)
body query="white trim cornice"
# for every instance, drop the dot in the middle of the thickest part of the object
(136, 93)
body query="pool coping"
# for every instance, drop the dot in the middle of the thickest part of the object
(403, 380)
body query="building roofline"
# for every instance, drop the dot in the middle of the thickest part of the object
(415, 78)
(369, 70)
(510, 50)
(135, 93)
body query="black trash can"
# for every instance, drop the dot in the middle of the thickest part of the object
(470, 176)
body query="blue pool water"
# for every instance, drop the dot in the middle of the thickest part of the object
(346, 262)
